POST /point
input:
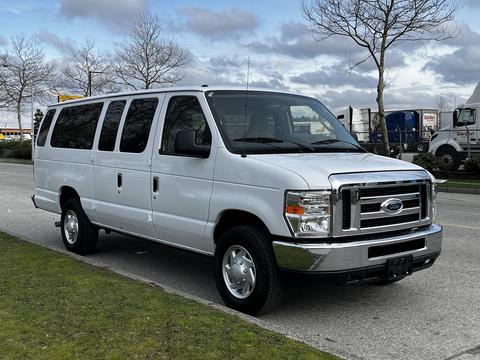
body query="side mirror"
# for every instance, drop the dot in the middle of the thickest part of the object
(455, 118)
(185, 144)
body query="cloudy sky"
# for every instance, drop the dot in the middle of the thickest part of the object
(272, 33)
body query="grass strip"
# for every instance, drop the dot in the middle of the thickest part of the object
(55, 307)
(458, 183)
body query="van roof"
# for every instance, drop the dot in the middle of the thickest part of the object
(202, 88)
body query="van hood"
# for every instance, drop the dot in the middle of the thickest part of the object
(315, 168)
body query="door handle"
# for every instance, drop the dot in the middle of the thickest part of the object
(119, 180)
(155, 184)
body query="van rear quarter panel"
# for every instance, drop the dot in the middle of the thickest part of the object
(55, 168)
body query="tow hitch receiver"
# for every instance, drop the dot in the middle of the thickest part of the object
(399, 267)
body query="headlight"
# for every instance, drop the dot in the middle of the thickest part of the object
(435, 184)
(308, 213)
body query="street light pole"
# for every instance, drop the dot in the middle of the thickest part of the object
(89, 81)
(89, 85)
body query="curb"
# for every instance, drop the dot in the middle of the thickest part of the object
(168, 289)
(457, 190)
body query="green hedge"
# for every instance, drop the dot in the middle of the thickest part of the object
(16, 149)
(24, 154)
(428, 161)
(15, 144)
(473, 164)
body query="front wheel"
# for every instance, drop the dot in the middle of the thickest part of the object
(246, 271)
(79, 235)
(449, 159)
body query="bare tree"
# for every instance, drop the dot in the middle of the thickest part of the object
(147, 59)
(87, 72)
(442, 104)
(379, 25)
(24, 75)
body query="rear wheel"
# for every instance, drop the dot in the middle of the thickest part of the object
(246, 271)
(422, 147)
(449, 159)
(79, 235)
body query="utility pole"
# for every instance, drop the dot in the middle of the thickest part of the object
(89, 84)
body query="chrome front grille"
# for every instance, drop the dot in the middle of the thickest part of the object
(400, 201)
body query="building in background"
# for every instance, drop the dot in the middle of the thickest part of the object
(14, 134)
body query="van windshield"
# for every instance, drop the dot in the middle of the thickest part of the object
(266, 122)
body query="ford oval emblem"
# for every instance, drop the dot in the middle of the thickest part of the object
(392, 206)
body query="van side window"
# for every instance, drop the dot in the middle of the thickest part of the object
(75, 126)
(184, 112)
(110, 125)
(42, 133)
(137, 125)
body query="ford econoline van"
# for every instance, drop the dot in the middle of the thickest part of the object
(262, 181)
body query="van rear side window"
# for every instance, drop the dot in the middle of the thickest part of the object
(75, 126)
(137, 125)
(47, 121)
(110, 125)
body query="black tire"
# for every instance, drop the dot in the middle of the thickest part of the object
(422, 147)
(87, 234)
(449, 159)
(266, 289)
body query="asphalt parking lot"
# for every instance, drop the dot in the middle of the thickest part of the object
(434, 314)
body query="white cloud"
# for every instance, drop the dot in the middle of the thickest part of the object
(115, 13)
(62, 45)
(462, 66)
(219, 25)
(297, 41)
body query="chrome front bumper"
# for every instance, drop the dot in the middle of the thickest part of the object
(351, 256)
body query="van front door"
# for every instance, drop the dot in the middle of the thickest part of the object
(182, 185)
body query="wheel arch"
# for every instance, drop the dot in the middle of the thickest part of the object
(66, 193)
(233, 217)
(449, 145)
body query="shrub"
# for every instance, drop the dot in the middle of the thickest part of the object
(16, 149)
(25, 154)
(15, 144)
(427, 160)
(472, 164)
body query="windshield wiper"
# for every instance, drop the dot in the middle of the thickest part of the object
(332, 141)
(269, 140)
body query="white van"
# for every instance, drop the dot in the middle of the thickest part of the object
(260, 180)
